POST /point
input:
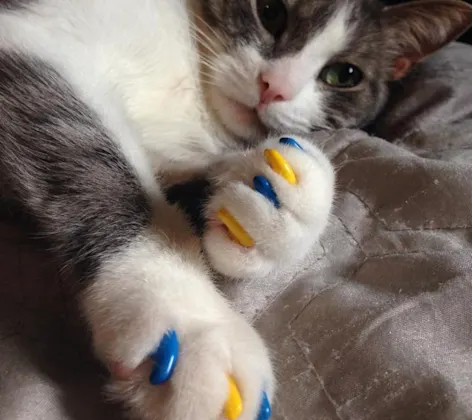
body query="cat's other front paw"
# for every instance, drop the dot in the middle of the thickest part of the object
(213, 358)
(133, 306)
(274, 213)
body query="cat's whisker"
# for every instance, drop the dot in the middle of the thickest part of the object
(205, 44)
(211, 43)
(207, 75)
(208, 78)
(202, 43)
(212, 30)
(194, 25)
(209, 62)
(210, 65)
(195, 30)
(212, 76)
(200, 19)
(206, 41)
(206, 69)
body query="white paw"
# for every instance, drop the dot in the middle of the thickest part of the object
(280, 235)
(199, 386)
(134, 303)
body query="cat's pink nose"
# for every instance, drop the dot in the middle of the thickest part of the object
(272, 89)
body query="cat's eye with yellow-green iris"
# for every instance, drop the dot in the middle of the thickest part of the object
(341, 75)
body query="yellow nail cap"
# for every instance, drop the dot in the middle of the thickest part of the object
(278, 164)
(234, 403)
(236, 231)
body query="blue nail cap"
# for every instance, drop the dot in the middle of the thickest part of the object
(263, 186)
(266, 410)
(164, 358)
(290, 142)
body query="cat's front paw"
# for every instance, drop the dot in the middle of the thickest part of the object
(270, 206)
(216, 361)
(131, 311)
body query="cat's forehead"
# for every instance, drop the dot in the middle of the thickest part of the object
(306, 20)
(311, 19)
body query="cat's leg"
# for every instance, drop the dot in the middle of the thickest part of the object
(96, 202)
(284, 231)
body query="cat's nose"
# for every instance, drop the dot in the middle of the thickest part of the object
(272, 89)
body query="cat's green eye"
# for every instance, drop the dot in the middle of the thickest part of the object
(341, 75)
(273, 16)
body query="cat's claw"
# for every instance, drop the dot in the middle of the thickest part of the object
(165, 358)
(276, 201)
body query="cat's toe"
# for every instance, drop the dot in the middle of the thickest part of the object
(223, 373)
(270, 208)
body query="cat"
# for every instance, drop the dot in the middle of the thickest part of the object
(106, 103)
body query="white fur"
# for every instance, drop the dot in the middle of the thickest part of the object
(136, 65)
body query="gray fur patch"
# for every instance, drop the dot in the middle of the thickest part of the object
(59, 164)
(14, 4)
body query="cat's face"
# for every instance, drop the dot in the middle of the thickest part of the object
(301, 65)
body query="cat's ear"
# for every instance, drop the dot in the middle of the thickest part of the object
(417, 29)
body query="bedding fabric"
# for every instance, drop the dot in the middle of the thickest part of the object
(376, 325)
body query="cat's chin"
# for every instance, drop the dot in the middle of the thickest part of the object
(239, 119)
